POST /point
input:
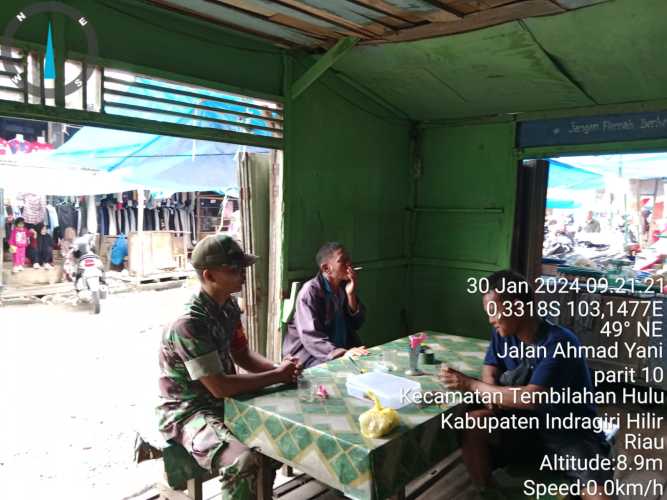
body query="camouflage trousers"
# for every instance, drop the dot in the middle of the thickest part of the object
(216, 449)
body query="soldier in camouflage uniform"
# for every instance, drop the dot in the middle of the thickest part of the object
(198, 354)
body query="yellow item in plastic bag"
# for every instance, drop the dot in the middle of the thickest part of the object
(12, 249)
(378, 421)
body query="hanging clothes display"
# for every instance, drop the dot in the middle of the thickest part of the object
(132, 219)
(91, 223)
(177, 221)
(68, 215)
(185, 220)
(34, 207)
(18, 145)
(106, 215)
(165, 218)
(102, 220)
(53, 217)
(126, 221)
(111, 215)
(148, 220)
(193, 225)
(83, 216)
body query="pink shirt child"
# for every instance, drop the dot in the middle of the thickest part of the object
(19, 238)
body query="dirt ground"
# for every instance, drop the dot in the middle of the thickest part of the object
(75, 387)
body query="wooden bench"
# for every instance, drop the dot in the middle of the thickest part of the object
(184, 477)
(183, 474)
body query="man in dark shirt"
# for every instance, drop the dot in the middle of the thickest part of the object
(591, 224)
(328, 312)
(525, 358)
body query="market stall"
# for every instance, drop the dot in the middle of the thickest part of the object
(605, 214)
(159, 231)
(604, 267)
(161, 193)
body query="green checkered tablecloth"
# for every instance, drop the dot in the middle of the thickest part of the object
(322, 438)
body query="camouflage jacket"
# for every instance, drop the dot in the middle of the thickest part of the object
(197, 344)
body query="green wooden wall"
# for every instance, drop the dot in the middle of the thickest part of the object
(463, 223)
(347, 179)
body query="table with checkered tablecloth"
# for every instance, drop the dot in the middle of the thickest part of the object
(322, 438)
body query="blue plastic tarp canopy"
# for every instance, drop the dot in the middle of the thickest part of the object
(564, 176)
(164, 163)
(567, 185)
(564, 204)
(160, 163)
(627, 166)
(39, 177)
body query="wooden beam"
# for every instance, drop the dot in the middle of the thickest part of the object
(478, 20)
(272, 16)
(443, 5)
(409, 16)
(441, 16)
(51, 113)
(459, 7)
(576, 4)
(280, 42)
(492, 4)
(390, 15)
(368, 31)
(324, 63)
(389, 22)
(303, 26)
(388, 9)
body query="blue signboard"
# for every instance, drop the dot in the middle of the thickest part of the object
(592, 129)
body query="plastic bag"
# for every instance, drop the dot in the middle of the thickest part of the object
(378, 421)
(119, 250)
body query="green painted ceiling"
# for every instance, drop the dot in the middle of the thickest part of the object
(607, 53)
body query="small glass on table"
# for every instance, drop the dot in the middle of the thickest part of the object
(390, 360)
(305, 389)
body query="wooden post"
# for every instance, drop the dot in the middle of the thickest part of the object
(342, 47)
(265, 477)
(186, 235)
(141, 200)
(195, 489)
(400, 495)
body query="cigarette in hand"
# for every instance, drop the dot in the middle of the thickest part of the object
(357, 268)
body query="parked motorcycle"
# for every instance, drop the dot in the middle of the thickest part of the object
(86, 270)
